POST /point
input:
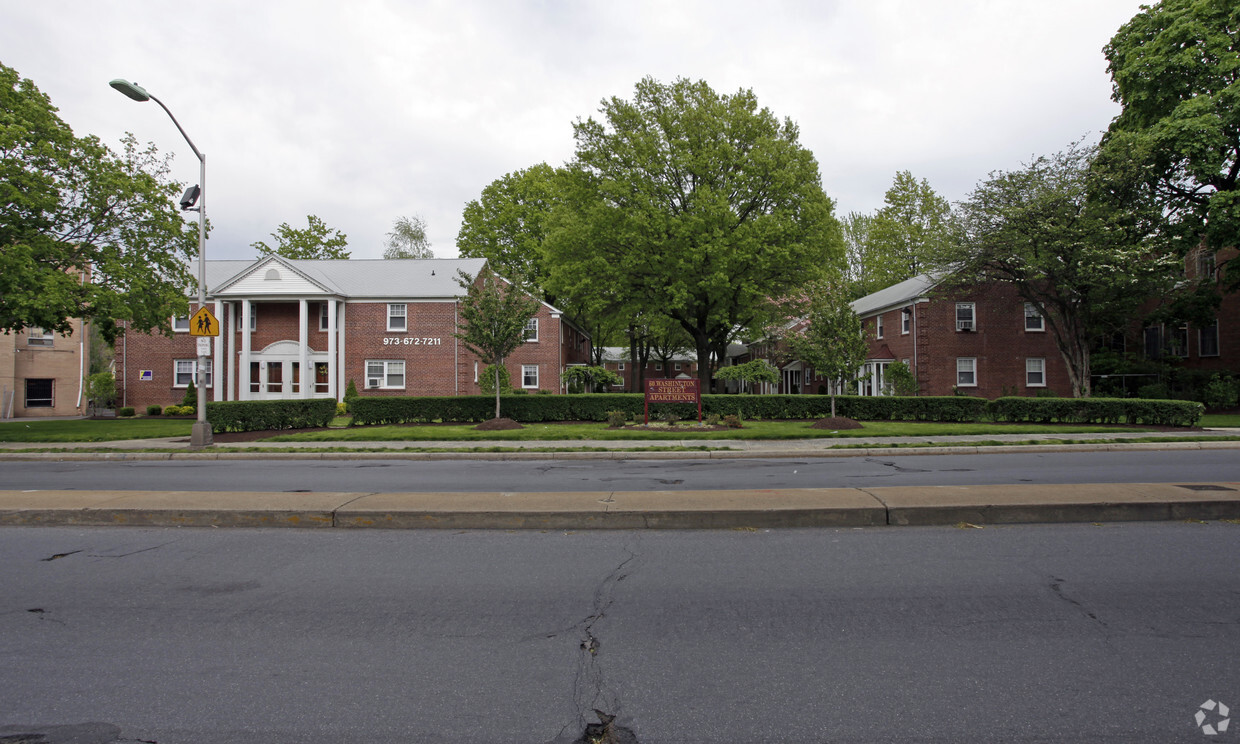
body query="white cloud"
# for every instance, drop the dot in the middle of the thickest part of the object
(361, 112)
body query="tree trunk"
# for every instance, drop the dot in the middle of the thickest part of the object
(832, 405)
(496, 370)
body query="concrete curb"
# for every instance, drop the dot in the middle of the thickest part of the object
(770, 508)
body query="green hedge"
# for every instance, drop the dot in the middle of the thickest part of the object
(594, 407)
(1097, 411)
(262, 415)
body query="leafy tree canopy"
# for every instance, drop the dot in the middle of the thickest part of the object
(316, 240)
(69, 208)
(1075, 241)
(493, 317)
(830, 339)
(508, 225)
(408, 239)
(696, 205)
(1176, 72)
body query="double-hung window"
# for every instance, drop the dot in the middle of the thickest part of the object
(1033, 319)
(906, 321)
(180, 324)
(966, 372)
(531, 330)
(323, 317)
(529, 375)
(878, 326)
(385, 374)
(965, 316)
(396, 318)
(185, 371)
(1035, 373)
(38, 337)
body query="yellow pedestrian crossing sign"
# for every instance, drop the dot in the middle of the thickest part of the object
(203, 323)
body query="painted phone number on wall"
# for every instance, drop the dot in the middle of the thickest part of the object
(411, 341)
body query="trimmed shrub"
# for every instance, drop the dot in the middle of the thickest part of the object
(350, 395)
(265, 415)
(191, 396)
(1097, 411)
(597, 406)
(154, 410)
(125, 412)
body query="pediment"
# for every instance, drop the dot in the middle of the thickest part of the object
(268, 276)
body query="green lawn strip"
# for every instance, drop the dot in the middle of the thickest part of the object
(1220, 420)
(93, 430)
(767, 430)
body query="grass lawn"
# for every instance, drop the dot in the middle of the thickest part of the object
(1221, 419)
(87, 430)
(752, 430)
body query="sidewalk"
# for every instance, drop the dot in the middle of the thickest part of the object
(179, 447)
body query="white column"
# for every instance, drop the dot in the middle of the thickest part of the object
(303, 350)
(243, 373)
(341, 369)
(217, 378)
(232, 350)
(332, 362)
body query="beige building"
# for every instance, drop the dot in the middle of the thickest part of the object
(41, 374)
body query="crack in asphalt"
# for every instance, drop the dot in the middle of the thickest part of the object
(590, 691)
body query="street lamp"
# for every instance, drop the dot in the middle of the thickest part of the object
(200, 435)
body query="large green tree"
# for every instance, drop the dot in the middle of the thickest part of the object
(908, 234)
(71, 208)
(407, 239)
(316, 240)
(508, 226)
(1076, 241)
(1176, 72)
(699, 206)
(493, 317)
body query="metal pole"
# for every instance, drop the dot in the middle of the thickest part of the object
(200, 434)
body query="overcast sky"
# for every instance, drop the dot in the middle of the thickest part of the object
(360, 111)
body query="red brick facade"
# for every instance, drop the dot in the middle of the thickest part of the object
(422, 358)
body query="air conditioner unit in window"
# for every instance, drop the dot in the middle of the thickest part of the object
(964, 325)
(372, 382)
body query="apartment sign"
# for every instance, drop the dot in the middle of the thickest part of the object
(673, 391)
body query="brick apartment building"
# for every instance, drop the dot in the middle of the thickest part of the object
(681, 366)
(42, 374)
(386, 325)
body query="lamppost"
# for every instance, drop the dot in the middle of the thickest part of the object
(200, 435)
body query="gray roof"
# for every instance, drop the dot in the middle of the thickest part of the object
(363, 278)
(897, 295)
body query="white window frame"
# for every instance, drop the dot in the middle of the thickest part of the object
(1035, 366)
(525, 376)
(180, 324)
(966, 365)
(619, 366)
(1031, 312)
(676, 367)
(658, 366)
(384, 374)
(971, 323)
(323, 319)
(253, 318)
(1201, 336)
(39, 337)
(402, 314)
(531, 331)
(193, 372)
(906, 321)
(878, 326)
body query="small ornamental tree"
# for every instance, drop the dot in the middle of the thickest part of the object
(757, 371)
(830, 340)
(594, 379)
(494, 313)
(191, 396)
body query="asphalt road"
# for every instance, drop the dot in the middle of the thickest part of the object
(1034, 633)
(632, 475)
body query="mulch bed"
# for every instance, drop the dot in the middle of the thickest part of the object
(835, 423)
(498, 424)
